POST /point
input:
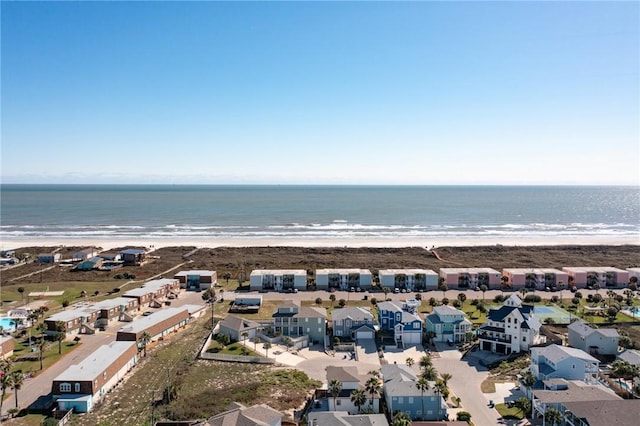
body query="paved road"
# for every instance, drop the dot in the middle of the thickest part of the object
(40, 385)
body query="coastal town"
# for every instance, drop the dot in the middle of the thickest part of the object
(386, 345)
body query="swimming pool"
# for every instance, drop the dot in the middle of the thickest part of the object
(6, 324)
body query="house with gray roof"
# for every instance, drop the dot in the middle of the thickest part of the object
(401, 394)
(353, 322)
(448, 324)
(401, 319)
(596, 341)
(563, 362)
(350, 379)
(631, 356)
(240, 415)
(293, 320)
(342, 418)
(234, 327)
(622, 412)
(511, 328)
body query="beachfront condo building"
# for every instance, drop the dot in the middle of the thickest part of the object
(286, 280)
(197, 280)
(343, 279)
(471, 278)
(603, 276)
(535, 278)
(408, 279)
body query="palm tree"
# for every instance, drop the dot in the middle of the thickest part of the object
(443, 288)
(483, 288)
(445, 378)
(332, 298)
(429, 373)
(425, 361)
(41, 347)
(359, 398)
(17, 380)
(61, 329)
(335, 387)
(528, 379)
(145, 339)
(553, 416)
(462, 297)
(5, 379)
(423, 385)
(401, 419)
(409, 361)
(611, 295)
(523, 291)
(244, 335)
(524, 405)
(266, 347)
(256, 340)
(373, 387)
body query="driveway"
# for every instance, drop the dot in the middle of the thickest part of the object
(465, 383)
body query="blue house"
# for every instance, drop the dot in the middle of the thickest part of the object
(401, 394)
(448, 324)
(401, 318)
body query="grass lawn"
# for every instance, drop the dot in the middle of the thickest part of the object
(509, 413)
(51, 356)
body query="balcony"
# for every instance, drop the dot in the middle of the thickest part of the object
(485, 336)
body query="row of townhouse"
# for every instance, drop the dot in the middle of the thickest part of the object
(86, 318)
(455, 278)
(82, 385)
(399, 391)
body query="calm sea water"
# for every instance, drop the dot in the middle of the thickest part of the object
(185, 211)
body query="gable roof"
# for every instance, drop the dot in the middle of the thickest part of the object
(584, 330)
(342, 374)
(256, 415)
(354, 313)
(447, 310)
(631, 356)
(605, 413)
(400, 380)
(557, 353)
(342, 418)
(233, 322)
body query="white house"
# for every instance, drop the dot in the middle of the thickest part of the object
(448, 324)
(408, 279)
(598, 341)
(563, 362)
(510, 328)
(470, 277)
(278, 280)
(343, 279)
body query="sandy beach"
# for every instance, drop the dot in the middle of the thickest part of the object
(110, 243)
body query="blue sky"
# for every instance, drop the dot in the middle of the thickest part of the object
(323, 92)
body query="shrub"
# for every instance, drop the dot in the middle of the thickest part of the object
(418, 296)
(555, 299)
(499, 298)
(578, 295)
(342, 302)
(433, 301)
(532, 298)
(116, 290)
(474, 302)
(456, 303)
(374, 301)
(463, 416)
(445, 301)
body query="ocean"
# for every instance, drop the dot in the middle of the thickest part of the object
(273, 212)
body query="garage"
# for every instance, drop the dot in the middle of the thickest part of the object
(364, 333)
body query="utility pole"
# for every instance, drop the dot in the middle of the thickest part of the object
(153, 407)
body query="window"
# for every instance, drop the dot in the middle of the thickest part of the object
(429, 412)
(338, 402)
(524, 338)
(104, 375)
(77, 387)
(65, 387)
(399, 400)
(410, 400)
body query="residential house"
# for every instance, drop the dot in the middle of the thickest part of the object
(353, 322)
(535, 278)
(559, 393)
(287, 280)
(350, 380)
(84, 254)
(342, 418)
(238, 414)
(293, 320)
(401, 394)
(80, 320)
(89, 264)
(632, 356)
(408, 279)
(563, 362)
(471, 278)
(133, 256)
(620, 412)
(83, 385)
(117, 309)
(49, 257)
(234, 327)
(8, 253)
(401, 319)
(596, 341)
(156, 325)
(605, 277)
(343, 279)
(7, 345)
(154, 293)
(197, 280)
(511, 328)
(448, 324)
